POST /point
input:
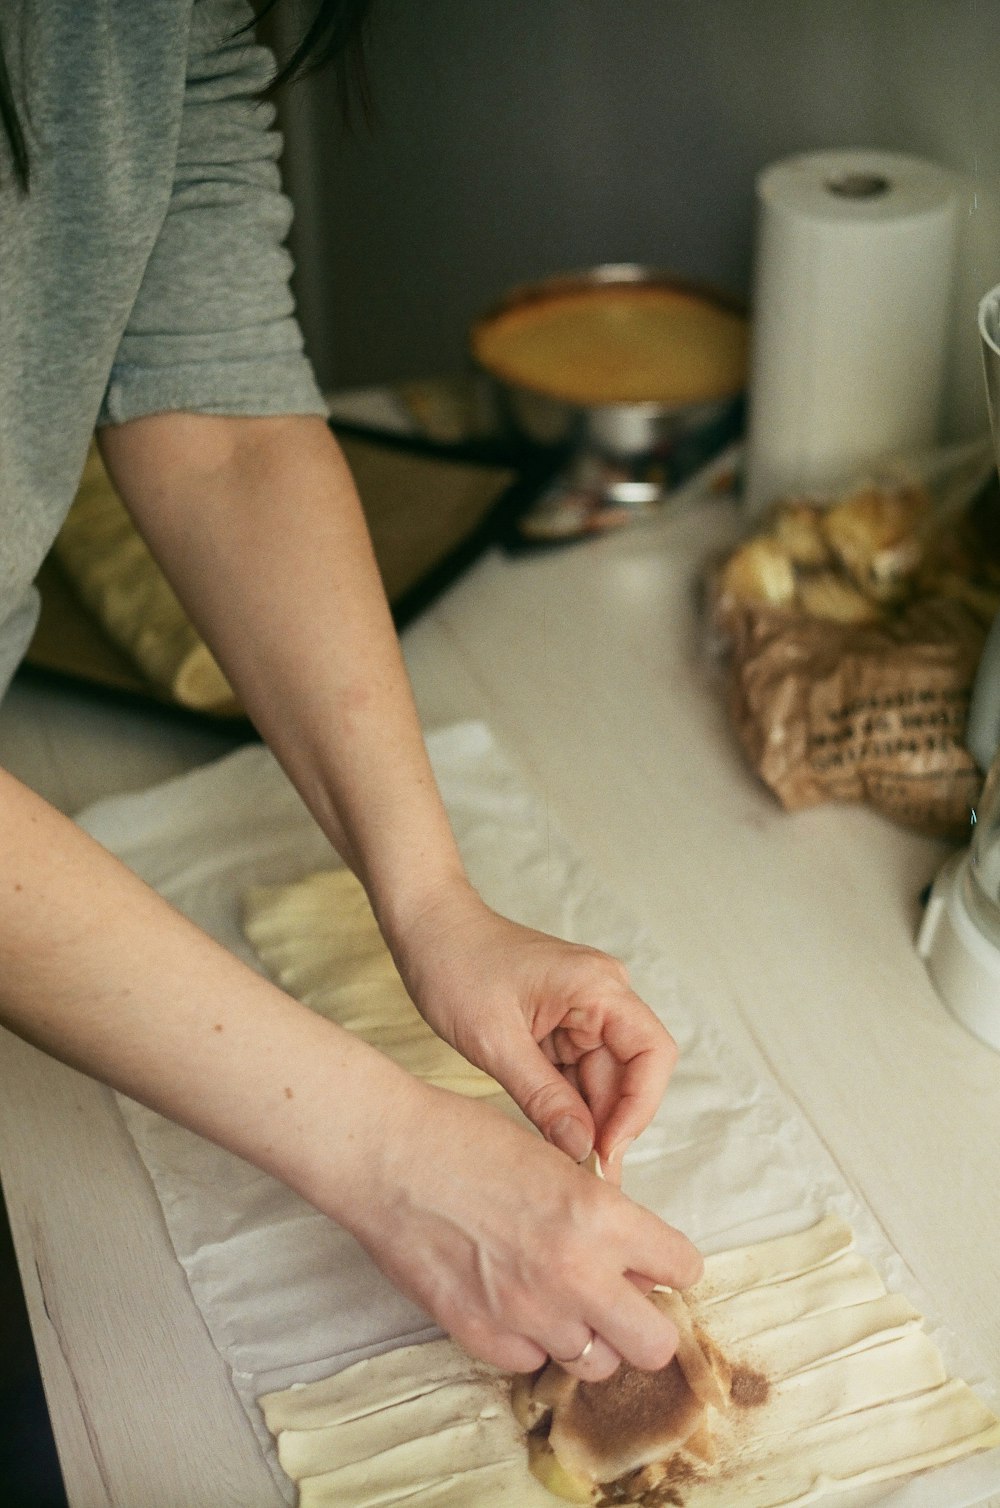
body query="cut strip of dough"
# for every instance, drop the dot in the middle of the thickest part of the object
(848, 1279)
(891, 1440)
(473, 1487)
(429, 1464)
(785, 1349)
(728, 1272)
(425, 1420)
(370, 1386)
(319, 940)
(117, 578)
(908, 1364)
(450, 1405)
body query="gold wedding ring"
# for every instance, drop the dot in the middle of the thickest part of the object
(570, 1361)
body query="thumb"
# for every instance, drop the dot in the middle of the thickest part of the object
(548, 1099)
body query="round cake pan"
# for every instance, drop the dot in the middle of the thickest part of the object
(621, 429)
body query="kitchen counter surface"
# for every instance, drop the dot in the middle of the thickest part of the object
(796, 932)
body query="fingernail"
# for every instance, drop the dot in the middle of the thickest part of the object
(617, 1154)
(572, 1137)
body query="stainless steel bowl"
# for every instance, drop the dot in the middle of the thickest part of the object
(623, 431)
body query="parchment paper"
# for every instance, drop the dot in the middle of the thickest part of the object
(289, 1297)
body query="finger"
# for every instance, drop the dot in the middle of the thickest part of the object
(642, 1077)
(660, 1253)
(597, 1082)
(599, 1360)
(631, 1327)
(501, 1348)
(546, 1096)
(613, 1165)
(599, 1079)
(611, 1171)
(624, 1057)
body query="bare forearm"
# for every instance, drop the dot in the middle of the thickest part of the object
(258, 525)
(99, 971)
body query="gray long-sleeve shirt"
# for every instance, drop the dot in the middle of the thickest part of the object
(145, 269)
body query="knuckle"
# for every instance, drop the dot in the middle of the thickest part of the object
(516, 1353)
(596, 968)
(543, 1102)
(615, 969)
(509, 1352)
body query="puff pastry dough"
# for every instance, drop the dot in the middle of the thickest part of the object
(319, 940)
(857, 1393)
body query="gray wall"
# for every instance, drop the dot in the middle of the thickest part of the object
(515, 140)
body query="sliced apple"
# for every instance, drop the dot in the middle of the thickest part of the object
(705, 1371)
(529, 1411)
(553, 1475)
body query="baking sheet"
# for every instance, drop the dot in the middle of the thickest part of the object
(289, 1297)
(429, 518)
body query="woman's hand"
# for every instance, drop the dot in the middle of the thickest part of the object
(514, 1250)
(501, 1238)
(554, 1022)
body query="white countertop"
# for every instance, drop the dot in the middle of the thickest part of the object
(794, 931)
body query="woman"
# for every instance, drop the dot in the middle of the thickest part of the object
(144, 291)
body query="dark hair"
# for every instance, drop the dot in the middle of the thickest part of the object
(11, 124)
(334, 35)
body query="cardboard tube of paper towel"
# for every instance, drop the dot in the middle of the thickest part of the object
(853, 287)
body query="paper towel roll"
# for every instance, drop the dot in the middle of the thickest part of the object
(853, 281)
